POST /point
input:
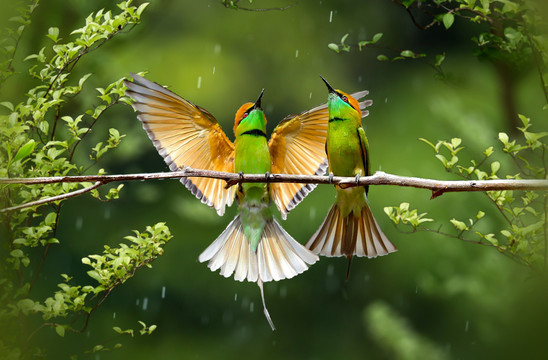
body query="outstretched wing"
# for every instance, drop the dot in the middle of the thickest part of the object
(185, 135)
(297, 146)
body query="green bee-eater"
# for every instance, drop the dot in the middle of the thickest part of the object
(254, 246)
(349, 228)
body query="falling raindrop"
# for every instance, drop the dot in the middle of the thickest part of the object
(367, 277)
(416, 289)
(163, 292)
(213, 70)
(385, 100)
(235, 296)
(312, 213)
(330, 269)
(137, 302)
(466, 326)
(360, 78)
(199, 82)
(145, 304)
(251, 306)
(331, 16)
(114, 315)
(107, 212)
(79, 223)
(245, 302)
(310, 96)
(283, 292)
(217, 49)
(297, 53)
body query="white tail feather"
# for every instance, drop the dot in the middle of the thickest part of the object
(278, 255)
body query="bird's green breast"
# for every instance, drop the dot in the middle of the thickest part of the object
(252, 157)
(343, 148)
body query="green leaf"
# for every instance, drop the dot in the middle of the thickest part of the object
(382, 58)
(95, 275)
(495, 166)
(407, 53)
(7, 105)
(334, 47)
(60, 330)
(439, 59)
(25, 150)
(459, 225)
(17, 253)
(53, 34)
(503, 137)
(448, 20)
(376, 38)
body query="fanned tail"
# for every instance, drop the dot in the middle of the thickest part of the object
(350, 235)
(278, 256)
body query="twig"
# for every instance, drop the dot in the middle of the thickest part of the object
(438, 187)
(53, 198)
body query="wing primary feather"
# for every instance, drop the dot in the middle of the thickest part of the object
(185, 135)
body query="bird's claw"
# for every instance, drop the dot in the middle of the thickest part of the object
(267, 175)
(358, 179)
(331, 178)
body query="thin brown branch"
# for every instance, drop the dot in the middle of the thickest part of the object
(438, 187)
(53, 198)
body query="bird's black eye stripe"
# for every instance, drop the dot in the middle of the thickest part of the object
(246, 113)
(345, 99)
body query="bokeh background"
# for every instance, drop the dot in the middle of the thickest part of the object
(436, 298)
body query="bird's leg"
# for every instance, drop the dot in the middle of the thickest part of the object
(241, 175)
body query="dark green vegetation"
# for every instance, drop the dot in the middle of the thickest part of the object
(438, 297)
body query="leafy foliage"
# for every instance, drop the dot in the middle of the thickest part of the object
(40, 136)
(524, 212)
(513, 36)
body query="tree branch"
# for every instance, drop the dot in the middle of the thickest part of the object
(53, 198)
(438, 187)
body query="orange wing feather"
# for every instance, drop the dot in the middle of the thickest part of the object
(297, 146)
(185, 135)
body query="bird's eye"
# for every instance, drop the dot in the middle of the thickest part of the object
(245, 115)
(345, 99)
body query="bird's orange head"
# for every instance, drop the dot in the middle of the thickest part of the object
(246, 109)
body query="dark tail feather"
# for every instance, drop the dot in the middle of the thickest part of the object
(350, 236)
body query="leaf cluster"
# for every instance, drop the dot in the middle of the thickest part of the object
(41, 135)
(524, 235)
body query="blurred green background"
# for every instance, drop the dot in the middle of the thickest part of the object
(435, 298)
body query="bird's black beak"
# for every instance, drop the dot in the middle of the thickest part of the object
(331, 90)
(258, 102)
